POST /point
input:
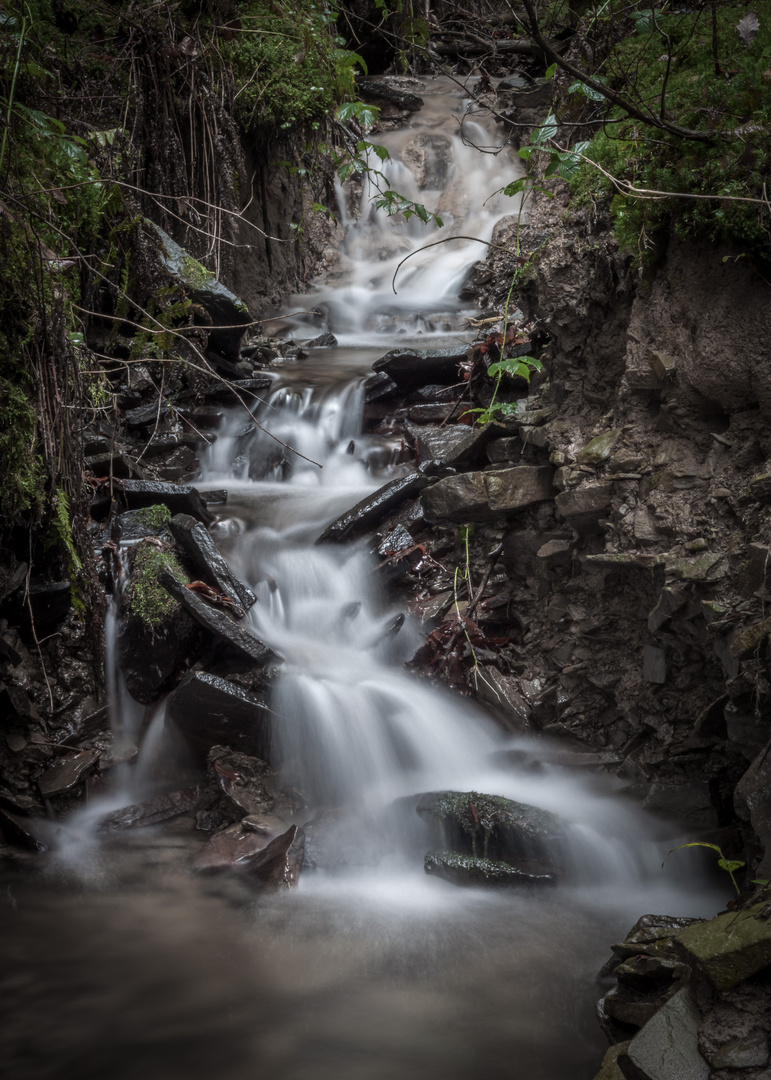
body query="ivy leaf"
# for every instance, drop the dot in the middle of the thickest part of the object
(748, 28)
(570, 163)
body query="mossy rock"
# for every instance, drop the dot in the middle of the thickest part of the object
(229, 315)
(495, 828)
(729, 948)
(156, 633)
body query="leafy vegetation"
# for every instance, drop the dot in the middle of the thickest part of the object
(678, 102)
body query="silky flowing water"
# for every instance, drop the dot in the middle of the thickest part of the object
(118, 962)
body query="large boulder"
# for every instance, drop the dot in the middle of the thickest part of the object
(278, 865)
(667, 1047)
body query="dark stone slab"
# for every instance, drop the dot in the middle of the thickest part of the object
(455, 444)
(241, 778)
(370, 511)
(411, 368)
(180, 499)
(230, 847)
(216, 622)
(379, 386)
(239, 389)
(209, 710)
(381, 91)
(201, 552)
(67, 773)
(152, 811)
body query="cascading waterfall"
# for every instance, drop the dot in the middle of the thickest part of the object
(373, 969)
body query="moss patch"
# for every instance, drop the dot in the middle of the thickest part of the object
(156, 517)
(148, 600)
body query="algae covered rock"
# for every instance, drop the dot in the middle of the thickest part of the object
(730, 948)
(491, 827)
(229, 315)
(468, 870)
(156, 633)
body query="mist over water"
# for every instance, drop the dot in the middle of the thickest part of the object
(120, 963)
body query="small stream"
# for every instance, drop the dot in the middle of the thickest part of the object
(119, 963)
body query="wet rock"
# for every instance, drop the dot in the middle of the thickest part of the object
(323, 341)
(209, 710)
(502, 694)
(536, 97)
(114, 464)
(455, 444)
(729, 948)
(227, 848)
(747, 1053)
(241, 778)
(411, 368)
(747, 642)
(752, 801)
(228, 314)
(490, 826)
(758, 490)
(505, 449)
(155, 634)
(21, 831)
(689, 802)
(598, 450)
(203, 555)
(667, 1047)
(381, 90)
(610, 1069)
(180, 499)
(484, 496)
(137, 524)
(469, 870)
(215, 621)
(238, 390)
(67, 773)
(279, 864)
(152, 811)
(747, 731)
(370, 511)
(583, 507)
(711, 566)
(671, 600)
(379, 386)
(145, 416)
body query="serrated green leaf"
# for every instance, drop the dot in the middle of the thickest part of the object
(588, 91)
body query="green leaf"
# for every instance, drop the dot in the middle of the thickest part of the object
(512, 364)
(525, 152)
(581, 88)
(550, 71)
(643, 20)
(730, 864)
(571, 162)
(546, 131)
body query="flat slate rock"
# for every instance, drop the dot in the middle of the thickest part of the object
(216, 622)
(379, 386)
(371, 510)
(153, 811)
(210, 711)
(230, 393)
(485, 496)
(199, 547)
(229, 847)
(411, 368)
(67, 773)
(180, 499)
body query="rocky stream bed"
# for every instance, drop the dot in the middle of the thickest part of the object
(593, 570)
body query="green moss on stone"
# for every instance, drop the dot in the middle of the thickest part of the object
(157, 517)
(148, 600)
